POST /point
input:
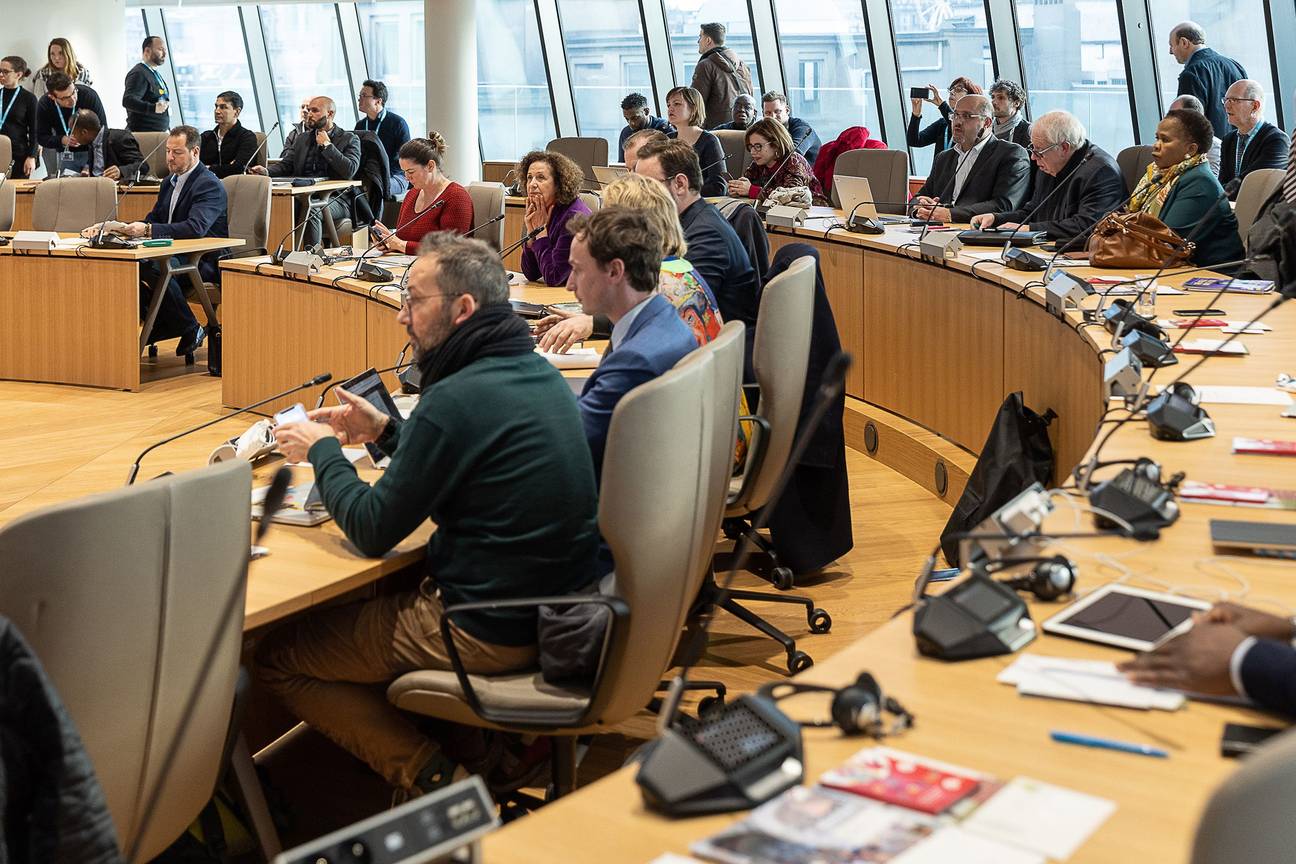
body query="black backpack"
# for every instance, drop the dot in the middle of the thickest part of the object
(1016, 454)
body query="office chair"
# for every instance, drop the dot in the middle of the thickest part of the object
(147, 141)
(1133, 161)
(1255, 190)
(585, 152)
(652, 512)
(6, 154)
(488, 204)
(887, 172)
(1248, 818)
(70, 204)
(734, 144)
(8, 202)
(121, 595)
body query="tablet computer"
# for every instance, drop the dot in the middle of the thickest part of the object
(1125, 616)
(369, 386)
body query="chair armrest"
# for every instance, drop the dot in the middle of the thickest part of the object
(756, 450)
(525, 719)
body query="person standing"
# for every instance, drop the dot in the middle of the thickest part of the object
(1254, 142)
(56, 119)
(390, 128)
(146, 97)
(720, 75)
(18, 116)
(1207, 74)
(228, 148)
(60, 57)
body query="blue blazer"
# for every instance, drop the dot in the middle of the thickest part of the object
(656, 342)
(1269, 675)
(199, 212)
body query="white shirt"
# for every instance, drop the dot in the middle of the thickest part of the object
(622, 327)
(175, 192)
(966, 161)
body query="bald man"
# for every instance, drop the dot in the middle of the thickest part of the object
(1207, 74)
(978, 174)
(323, 149)
(1189, 102)
(1253, 143)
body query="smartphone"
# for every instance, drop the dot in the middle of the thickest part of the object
(1239, 739)
(292, 414)
(919, 92)
(1198, 313)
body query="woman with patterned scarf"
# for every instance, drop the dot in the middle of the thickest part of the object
(1180, 190)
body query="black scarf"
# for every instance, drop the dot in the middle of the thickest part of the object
(494, 330)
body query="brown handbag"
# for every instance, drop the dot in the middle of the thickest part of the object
(1132, 240)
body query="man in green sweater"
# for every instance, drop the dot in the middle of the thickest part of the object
(495, 455)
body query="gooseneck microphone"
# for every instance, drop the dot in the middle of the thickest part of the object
(114, 242)
(530, 235)
(491, 221)
(374, 273)
(263, 143)
(314, 382)
(1025, 260)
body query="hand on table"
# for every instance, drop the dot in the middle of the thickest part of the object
(933, 213)
(257, 169)
(1250, 621)
(562, 330)
(1196, 661)
(982, 221)
(112, 172)
(740, 187)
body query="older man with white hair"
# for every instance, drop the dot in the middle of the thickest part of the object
(1066, 158)
(1188, 102)
(1253, 142)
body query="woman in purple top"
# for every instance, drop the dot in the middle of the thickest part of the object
(552, 185)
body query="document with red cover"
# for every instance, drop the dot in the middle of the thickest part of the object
(897, 778)
(1267, 446)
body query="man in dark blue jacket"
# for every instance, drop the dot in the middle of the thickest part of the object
(191, 204)
(634, 108)
(390, 128)
(1207, 74)
(1231, 650)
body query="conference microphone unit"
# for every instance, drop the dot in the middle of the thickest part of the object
(114, 242)
(530, 235)
(263, 143)
(1020, 259)
(867, 224)
(372, 272)
(314, 382)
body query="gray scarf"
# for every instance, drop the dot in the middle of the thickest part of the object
(1003, 131)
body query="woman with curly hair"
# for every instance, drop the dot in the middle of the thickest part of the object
(553, 182)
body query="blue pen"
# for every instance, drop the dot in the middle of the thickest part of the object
(1107, 744)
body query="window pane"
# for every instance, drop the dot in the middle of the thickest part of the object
(1235, 28)
(305, 50)
(826, 63)
(392, 34)
(135, 33)
(936, 45)
(605, 47)
(203, 42)
(1075, 60)
(684, 17)
(514, 113)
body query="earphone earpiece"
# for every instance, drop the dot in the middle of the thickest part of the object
(1048, 580)
(858, 708)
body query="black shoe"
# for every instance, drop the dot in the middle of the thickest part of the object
(191, 341)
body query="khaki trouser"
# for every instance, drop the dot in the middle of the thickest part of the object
(331, 669)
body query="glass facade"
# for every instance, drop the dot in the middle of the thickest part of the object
(825, 52)
(205, 66)
(606, 59)
(300, 74)
(392, 35)
(514, 111)
(1231, 27)
(685, 17)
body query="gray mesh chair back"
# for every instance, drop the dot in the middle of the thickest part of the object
(585, 152)
(780, 356)
(70, 204)
(488, 204)
(248, 208)
(887, 172)
(1249, 816)
(734, 144)
(1253, 193)
(147, 141)
(8, 200)
(6, 154)
(120, 595)
(1133, 161)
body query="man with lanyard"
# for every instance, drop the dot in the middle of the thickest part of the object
(147, 99)
(55, 122)
(391, 129)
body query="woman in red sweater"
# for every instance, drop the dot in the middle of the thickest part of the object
(434, 202)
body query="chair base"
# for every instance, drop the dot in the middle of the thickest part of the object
(740, 527)
(817, 619)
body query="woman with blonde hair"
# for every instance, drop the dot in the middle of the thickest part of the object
(681, 284)
(686, 111)
(60, 57)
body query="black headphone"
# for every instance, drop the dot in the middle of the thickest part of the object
(856, 709)
(1048, 580)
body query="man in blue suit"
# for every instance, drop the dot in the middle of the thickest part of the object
(191, 204)
(616, 257)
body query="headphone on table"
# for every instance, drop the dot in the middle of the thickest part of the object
(857, 709)
(1049, 579)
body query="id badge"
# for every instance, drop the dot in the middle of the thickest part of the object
(67, 157)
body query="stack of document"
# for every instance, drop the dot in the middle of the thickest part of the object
(1084, 681)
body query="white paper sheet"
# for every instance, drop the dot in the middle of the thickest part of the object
(576, 358)
(1084, 681)
(1212, 346)
(672, 858)
(952, 844)
(1041, 817)
(1221, 395)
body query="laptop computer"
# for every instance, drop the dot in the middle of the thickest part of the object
(998, 237)
(605, 174)
(855, 192)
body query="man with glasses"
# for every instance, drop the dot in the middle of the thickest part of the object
(388, 127)
(979, 174)
(494, 454)
(146, 97)
(774, 106)
(55, 121)
(720, 75)
(1253, 142)
(1064, 155)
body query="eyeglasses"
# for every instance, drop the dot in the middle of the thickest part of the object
(966, 117)
(1227, 99)
(408, 302)
(1030, 149)
(756, 147)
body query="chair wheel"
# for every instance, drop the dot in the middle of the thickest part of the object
(731, 531)
(708, 704)
(152, 351)
(820, 621)
(782, 578)
(799, 661)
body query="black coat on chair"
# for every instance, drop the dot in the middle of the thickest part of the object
(810, 525)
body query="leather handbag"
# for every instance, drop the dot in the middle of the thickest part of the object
(1131, 240)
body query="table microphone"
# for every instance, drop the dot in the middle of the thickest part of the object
(114, 242)
(372, 272)
(314, 382)
(1020, 259)
(4, 241)
(278, 256)
(263, 143)
(530, 235)
(867, 224)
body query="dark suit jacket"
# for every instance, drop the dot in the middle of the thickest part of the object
(656, 341)
(1267, 149)
(200, 212)
(1096, 189)
(229, 156)
(49, 131)
(339, 161)
(808, 139)
(997, 181)
(121, 149)
(1269, 675)
(1208, 75)
(140, 97)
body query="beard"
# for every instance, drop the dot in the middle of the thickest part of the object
(436, 336)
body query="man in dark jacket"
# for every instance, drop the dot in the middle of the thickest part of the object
(1092, 181)
(1207, 74)
(55, 116)
(114, 153)
(324, 150)
(774, 105)
(979, 174)
(744, 114)
(389, 127)
(634, 108)
(1253, 143)
(720, 75)
(146, 98)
